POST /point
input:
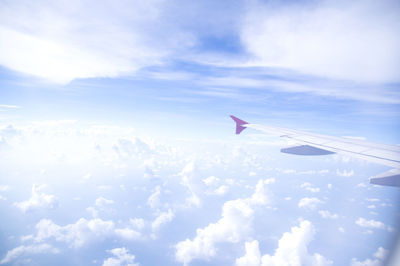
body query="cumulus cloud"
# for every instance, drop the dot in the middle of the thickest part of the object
(252, 256)
(309, 203)
(26, 250)
(102, 202)
(211, 181)
(292, 250)
(121, 257)
(235, 223)
(191, 179)
(221, 190)
(345, 173)
(327, 215)
(83, 231)
(355, 40)
(309, 187)
(372, 224)
(128, 233)
(38, 200)
(379, 258)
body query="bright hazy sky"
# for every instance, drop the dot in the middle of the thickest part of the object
(116, 146)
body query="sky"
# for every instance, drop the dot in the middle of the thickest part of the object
(116, 146)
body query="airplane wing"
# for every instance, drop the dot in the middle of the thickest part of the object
(317, 144)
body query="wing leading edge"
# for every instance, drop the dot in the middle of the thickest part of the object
(316, 144)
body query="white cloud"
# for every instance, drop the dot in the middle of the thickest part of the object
(373, 200)
(154, 200)
(309, 203)
(362, 185)
(128, 233)
(102, 202)
(162, 218)
(355, 40)
(191, 179)
(133, 147)
(137, 223)
(211, 181)
(83, 231)
(252, 256)
(87, 176)
(121, 257)
(309, 187)
(93, 211)
(220, 191)
(327, 215)
(370, 223)
(235, 223)
(379, 256)
(345, 173)
(60, 45)
(26, 250)
(38, 200)
(292, 250)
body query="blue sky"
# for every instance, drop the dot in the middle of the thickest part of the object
(117, 148)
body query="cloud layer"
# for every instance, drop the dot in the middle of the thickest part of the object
(335, 39)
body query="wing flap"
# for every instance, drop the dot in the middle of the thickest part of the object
(305, 150)
(389, 178)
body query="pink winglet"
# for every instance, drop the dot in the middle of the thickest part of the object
(239, 124)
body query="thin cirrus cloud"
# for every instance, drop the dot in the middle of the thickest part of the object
(60, 42)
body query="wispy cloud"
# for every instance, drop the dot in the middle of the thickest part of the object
(337, 39)
(9, 106)
(27, 250)
(83, 40)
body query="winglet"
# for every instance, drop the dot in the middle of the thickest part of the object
(239, 124)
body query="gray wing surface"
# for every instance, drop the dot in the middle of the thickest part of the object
(317, 144)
